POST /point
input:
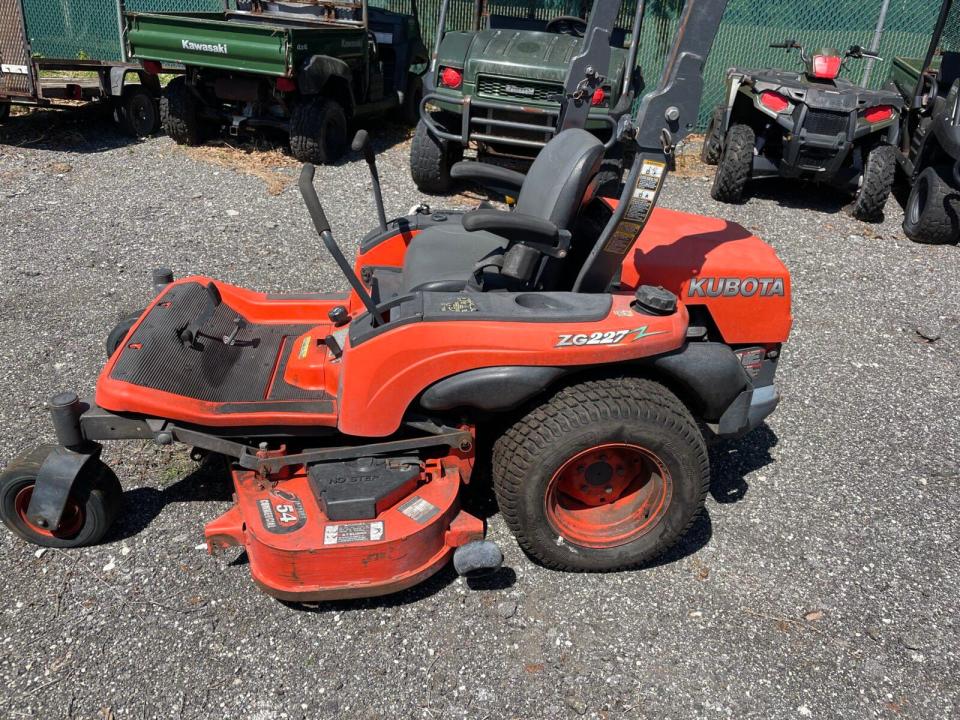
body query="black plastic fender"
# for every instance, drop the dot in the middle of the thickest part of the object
(708, 376)
(320, 68)
(493, 388)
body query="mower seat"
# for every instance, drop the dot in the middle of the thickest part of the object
(560, 182)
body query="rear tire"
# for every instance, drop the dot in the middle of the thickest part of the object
(878, 174)
(601, 422)
(318, 131)
(91, 509)
(713, 140)
(4, 112)
(430, 161)
(179, 112)
(931, 214)
(138, 113)
(735, 166)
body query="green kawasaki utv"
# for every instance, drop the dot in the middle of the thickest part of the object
(930, 132)
(496, 87)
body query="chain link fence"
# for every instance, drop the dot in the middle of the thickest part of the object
(91, 29)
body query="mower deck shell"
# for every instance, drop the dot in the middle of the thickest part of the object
(296, 553)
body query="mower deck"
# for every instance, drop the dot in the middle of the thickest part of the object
(298, 553)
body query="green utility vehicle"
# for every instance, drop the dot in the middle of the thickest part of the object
(307, 69)
(496, 88)
(930, 132)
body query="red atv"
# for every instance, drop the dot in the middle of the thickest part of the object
(588, 337)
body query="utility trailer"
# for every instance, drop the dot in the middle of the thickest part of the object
(31, 77)
(305, 69)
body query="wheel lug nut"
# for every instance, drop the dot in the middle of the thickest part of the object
(608, 490)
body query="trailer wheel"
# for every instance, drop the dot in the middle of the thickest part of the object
(605, 475)
(137, 112)
(431, 159)
(4, 112)
(713, 139)
(179, 113)
(318, 131)
(735, 166)
(931, 215)
(878, 174)
(89, 513)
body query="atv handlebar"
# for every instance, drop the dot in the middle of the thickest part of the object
(787, 45)
(858, 52)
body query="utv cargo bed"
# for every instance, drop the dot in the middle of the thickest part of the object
(238, 41)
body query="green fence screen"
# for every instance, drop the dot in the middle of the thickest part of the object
(91, 29)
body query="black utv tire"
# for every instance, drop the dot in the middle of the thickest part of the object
(932, 214)
(600, 416)
(430, 161)
(4, 112)
(713, 139)
(878, 174)
(91, 509)
(138, 112)
(318, 131)
(119, 332)
(735, 166)
(179, 113)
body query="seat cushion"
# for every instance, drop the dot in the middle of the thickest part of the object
(443, 256)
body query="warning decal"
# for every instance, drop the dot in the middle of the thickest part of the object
(353, 532)
(418, 509)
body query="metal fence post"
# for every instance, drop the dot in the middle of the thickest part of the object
(875, 43)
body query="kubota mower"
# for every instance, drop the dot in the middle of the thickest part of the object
(588, 338)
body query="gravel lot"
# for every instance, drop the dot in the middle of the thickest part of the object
(822, 583)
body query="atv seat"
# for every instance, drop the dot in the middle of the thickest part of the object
(508, 250)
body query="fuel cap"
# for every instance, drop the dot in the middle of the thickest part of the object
(339, 316)
(655, 300)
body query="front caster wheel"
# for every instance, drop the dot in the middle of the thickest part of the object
(89, 513)
(605, 475)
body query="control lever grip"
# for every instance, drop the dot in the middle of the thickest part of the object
(361, 144)
(311, 200)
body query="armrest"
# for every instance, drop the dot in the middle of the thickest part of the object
(511, 225)
(492, 177)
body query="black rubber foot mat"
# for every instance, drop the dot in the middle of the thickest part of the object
(247, 376)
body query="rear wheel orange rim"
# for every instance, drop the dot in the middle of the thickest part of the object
(71, 522)
(608, 495)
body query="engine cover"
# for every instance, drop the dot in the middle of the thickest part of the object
(719, 265)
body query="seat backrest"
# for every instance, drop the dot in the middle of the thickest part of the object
(557, 181)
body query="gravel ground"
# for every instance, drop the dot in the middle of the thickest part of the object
(821, 583)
